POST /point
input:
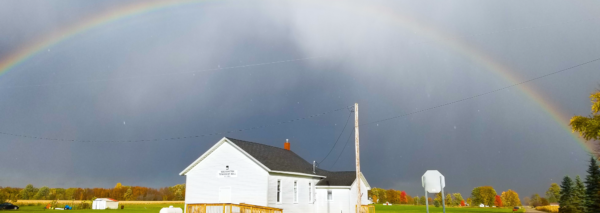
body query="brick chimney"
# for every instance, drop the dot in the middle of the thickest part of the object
(286, 145)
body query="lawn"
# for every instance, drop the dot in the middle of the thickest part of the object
(155, 208)
(132, 208)
(421, 209)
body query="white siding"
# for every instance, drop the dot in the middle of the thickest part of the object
(250, 185)
(338, 204)
(287, 188)
(363, 189)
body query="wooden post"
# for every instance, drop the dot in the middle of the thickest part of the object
(357, 148)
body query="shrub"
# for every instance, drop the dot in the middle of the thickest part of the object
(553, 209)
(84, 205)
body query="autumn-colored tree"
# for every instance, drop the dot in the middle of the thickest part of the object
(402, 198)
(510, 198)
(457, 199)
(380, 193)
(42, 193)
(409, 199)
(416, 200)
(374, 198)
(470, 201)
(544, 201)
(535, 200)
(488, 195)
(449, 201)
(498, 201)
(553, 193)
(422, 200)
(462, 203)
(128, 194)
(483, 194)
(430, 200)
(393, 196)
(589, 127)
(438, 199)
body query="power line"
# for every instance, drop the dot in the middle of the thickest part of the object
(347, 140)
(164, 74)
(338, 138)
(483, 94)
(171, 138)
(465, 99)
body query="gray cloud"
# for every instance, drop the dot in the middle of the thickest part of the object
(362, 55)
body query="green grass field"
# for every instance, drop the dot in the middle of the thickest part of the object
(134, 208)
(155, 208)
(421, 209)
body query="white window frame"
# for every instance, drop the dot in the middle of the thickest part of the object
(295, 191)
(329, 191)
(310, 191)
(279, 191)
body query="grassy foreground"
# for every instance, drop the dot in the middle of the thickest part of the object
(422, 209)
(129, 208)
(155, 208)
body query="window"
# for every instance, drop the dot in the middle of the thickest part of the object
(329, 195)
(310, 193)
(278, 191)
(295, 191)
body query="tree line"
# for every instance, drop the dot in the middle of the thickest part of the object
(119, 192)
(573, 196)
(485, 195)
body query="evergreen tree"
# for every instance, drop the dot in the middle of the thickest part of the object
(566, 196)
(579, 194)
(592, 188)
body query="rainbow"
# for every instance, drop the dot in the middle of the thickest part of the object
(406, 22)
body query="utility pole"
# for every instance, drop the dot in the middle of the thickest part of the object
(357, 147)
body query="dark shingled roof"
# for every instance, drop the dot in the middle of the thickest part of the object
(280, 159)
(338, 179)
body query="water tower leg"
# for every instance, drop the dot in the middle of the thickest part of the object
(426, 198)
(443, 198)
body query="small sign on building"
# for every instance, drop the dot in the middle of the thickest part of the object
(227, 173)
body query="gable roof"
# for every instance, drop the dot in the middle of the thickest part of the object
(275, 158)
(345, 178)
(280, 160)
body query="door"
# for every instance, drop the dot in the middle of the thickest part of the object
(225, 194)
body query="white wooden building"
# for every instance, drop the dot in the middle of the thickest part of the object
(236, 171)
(105, 203)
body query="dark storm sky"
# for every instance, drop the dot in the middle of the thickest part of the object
(154, 75)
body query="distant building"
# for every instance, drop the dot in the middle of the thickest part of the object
(387, 204)
(105, 203)
(237, 171)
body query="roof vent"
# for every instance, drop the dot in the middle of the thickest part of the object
(286, 145)
(314, 167)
